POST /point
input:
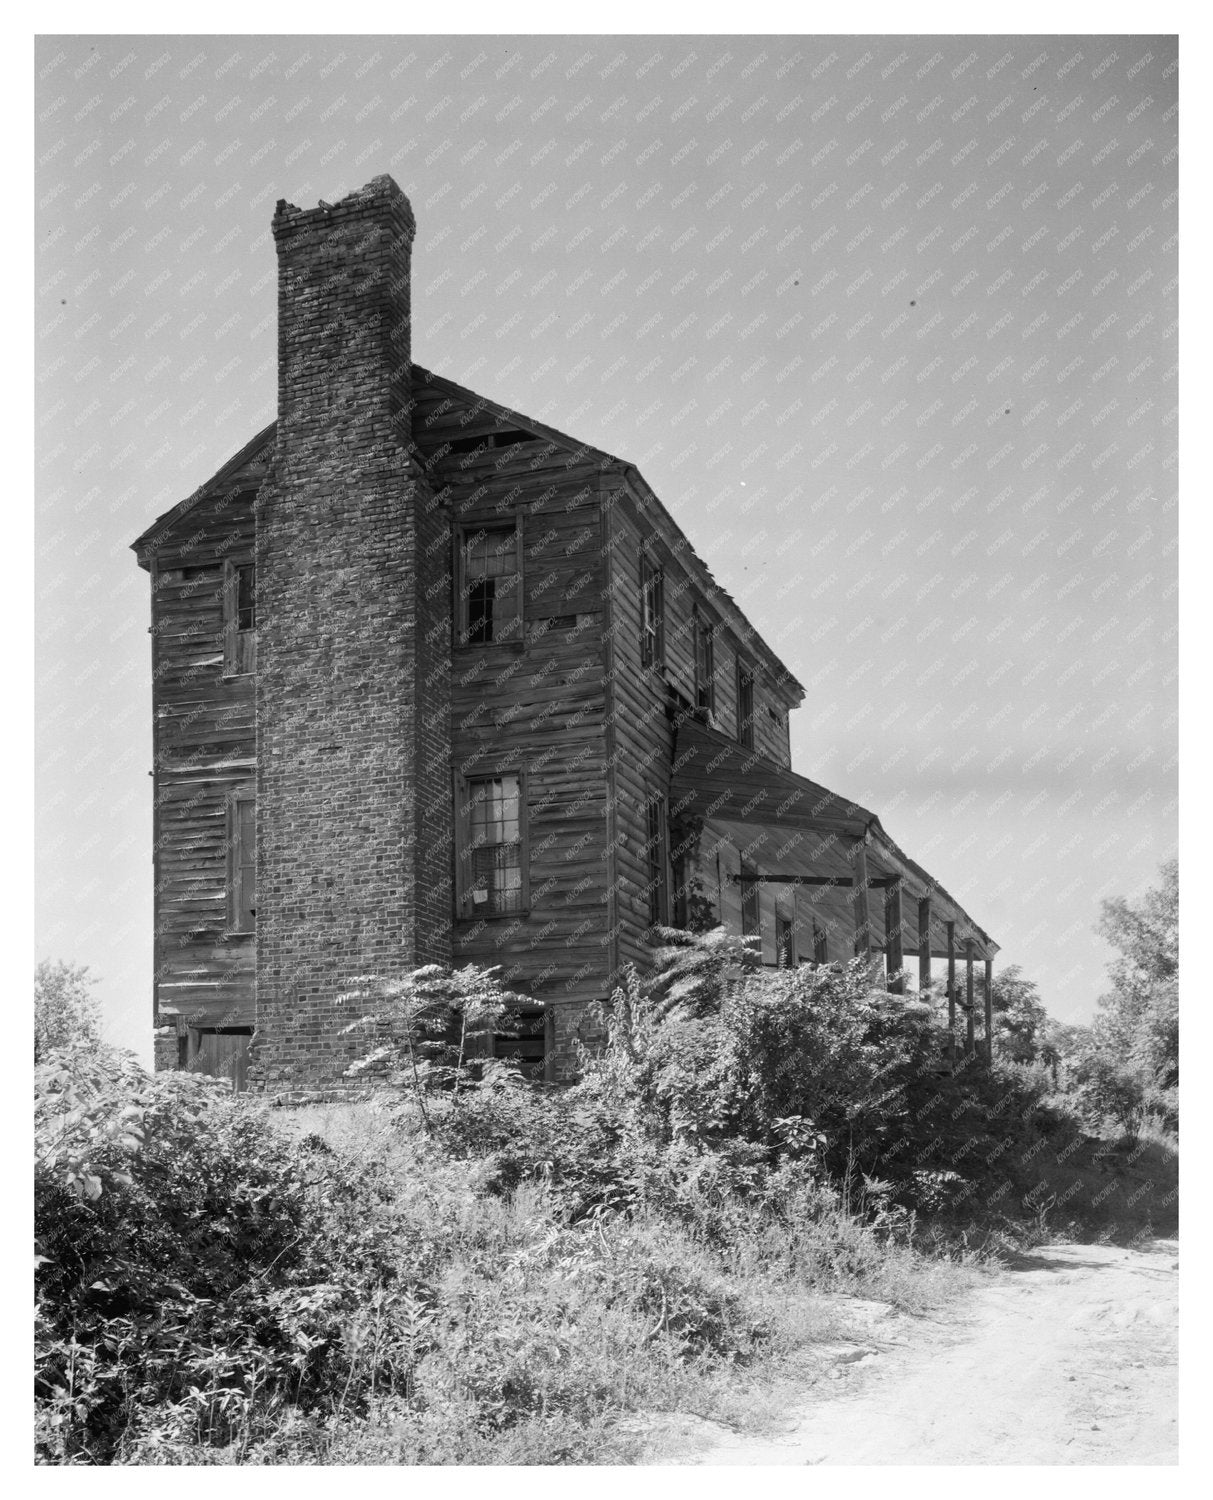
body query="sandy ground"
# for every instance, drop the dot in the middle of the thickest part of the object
(1071, 1358)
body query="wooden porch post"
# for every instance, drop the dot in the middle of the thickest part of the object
(989, 1010)
(951, 930)
(863, 925)
(971, 1029)
(894, 954)
(924, 942)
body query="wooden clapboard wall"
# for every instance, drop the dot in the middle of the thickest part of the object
(535, 706)
(640, 699)
(204, 750)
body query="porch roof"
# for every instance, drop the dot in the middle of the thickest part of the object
(787, 825)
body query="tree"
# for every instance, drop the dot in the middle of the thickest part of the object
(1020, 1021)
(1131, 1064)
(1139, 1020)
(66, 1012)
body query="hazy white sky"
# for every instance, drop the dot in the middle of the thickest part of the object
(890, 324)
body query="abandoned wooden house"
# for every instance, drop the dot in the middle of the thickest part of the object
(433, 682)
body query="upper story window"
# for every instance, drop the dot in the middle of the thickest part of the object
(745, 705)
(241, 862)
(705, 663)
(239, 618)
(652, 613)
(491, 817)
(489, 585)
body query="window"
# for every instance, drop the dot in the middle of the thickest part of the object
(652, 614)
(821, 946)
(239, 618)
(745, 705)
(656, 853)
(241, 862)
(705, 664)
(492, 846)
(490, 586)
(750, 919)
(785, 942)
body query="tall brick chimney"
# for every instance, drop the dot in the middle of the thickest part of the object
(353, 647)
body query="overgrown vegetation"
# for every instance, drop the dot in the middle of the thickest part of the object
(1122, 1071)
(474, 1269)
(65, 1008)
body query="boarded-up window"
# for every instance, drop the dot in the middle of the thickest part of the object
(492, 843)
(239, 618)
(750, 919)
(705, 664)
(657, 887)
(745, 705)
(490, 586)
(242, 862)
(652, 614)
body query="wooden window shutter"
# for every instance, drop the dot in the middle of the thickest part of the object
(745, 705)
(230, 649)
(657, 859)
(242, 862)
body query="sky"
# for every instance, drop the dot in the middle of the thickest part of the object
(888, 322)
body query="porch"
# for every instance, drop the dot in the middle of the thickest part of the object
(818, 879)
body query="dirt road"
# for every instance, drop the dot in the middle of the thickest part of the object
(1069, 1359)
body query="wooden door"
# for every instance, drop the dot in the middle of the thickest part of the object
(224, 1054)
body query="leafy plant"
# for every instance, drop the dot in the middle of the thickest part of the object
(435, 1030)
(66, 1013)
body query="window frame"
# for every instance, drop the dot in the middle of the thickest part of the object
(461, 612)
(705, 660)
(465, 908)
(239, 646)
(652, 601)
(751, 903)
(241, 913)
(746, 678)
(785, 940)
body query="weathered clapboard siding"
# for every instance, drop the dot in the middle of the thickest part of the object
(204, 750)
(538, 705)
(641, 698)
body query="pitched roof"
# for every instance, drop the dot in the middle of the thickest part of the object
(266, 436)
(183, 507)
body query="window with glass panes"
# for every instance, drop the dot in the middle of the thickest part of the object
(494, 881)
(490, 586)
(239, 618)
(652, 614)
